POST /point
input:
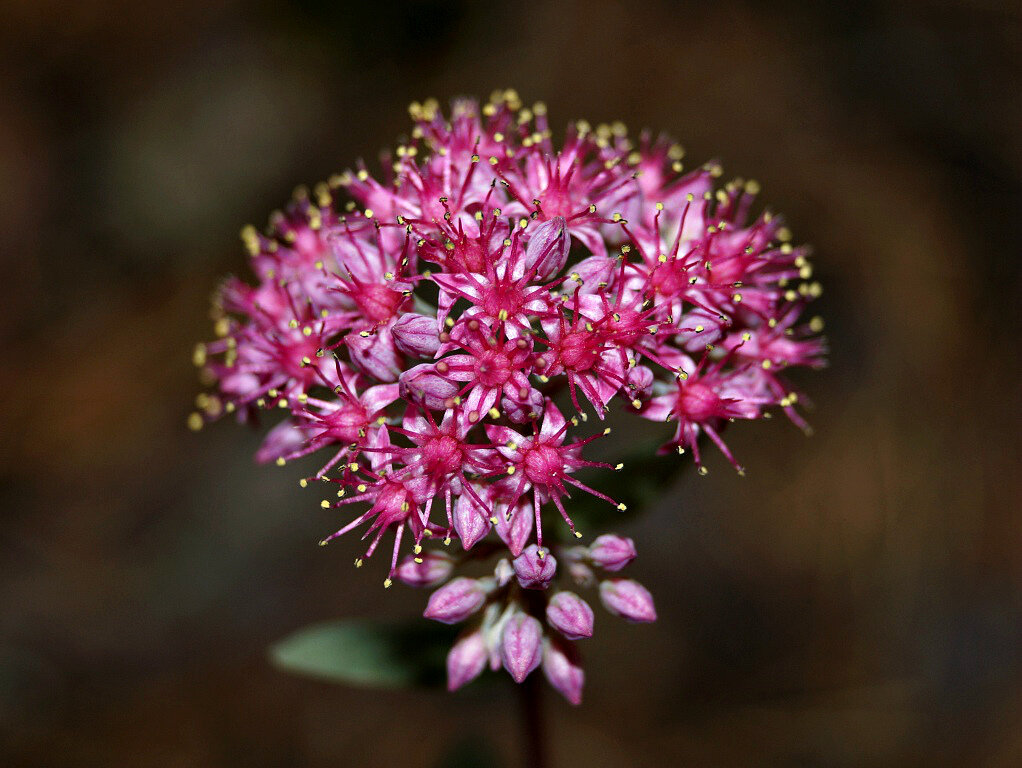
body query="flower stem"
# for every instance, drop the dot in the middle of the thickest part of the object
(531, 697)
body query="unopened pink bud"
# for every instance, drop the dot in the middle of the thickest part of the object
(455, 601)
(535, 567)
(435, 567)
(612, 552)
(562, 667)
(627, 599)
(424, 385)
(521, 645)
(639, 380)
(470, 521)
(503, 572)
(570, 615)
(374, 353)
(548, 247)
(466, 660)
(521, 411)
(416, 335)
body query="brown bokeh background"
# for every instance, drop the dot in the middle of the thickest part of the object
(853, 601)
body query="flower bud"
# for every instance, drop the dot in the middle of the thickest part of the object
(522, 411)
(455, 601)
(563, 669)
(503, 572)
(416, 335)
(375, 354)
(424, 385)
(547, 251)
(627, 599)
(470, 521)
(284, 438)
(612, 552)
(581, 574)
(570, 615)
(465, 660)
(521, 646)
(639, 381)
(435, 567)
(535, 567)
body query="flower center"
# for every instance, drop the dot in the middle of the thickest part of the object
(469, 256)
(543, 464)
(347, 422)
(493, 368)
(628, 328)
(502, 301)
(669, 279)
(377, 302)
(555, 202)
(292, 359)
(442, 455)
(579, 350)
(697, 402)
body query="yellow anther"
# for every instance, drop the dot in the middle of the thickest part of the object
(622, 507)
(194, 422)
(325, 504)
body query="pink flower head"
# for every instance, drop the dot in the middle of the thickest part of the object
(416, 335)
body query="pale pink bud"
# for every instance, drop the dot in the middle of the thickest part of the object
(466, 660)
(521, 645)
(535, 567)
(284, 438)
(374, 353)
(423, 384)
(581, 574)
(435, 566)
(503, 572)
(470, 521)
(416, 335)
(627, 599)
(522, 411)
(548, 247)
(455, 601)
(612, 552)
(639, 381)
(570, 615)
(563, 669)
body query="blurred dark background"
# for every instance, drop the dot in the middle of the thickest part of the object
(854, 601)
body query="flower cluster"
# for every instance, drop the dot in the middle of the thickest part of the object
(418, 326)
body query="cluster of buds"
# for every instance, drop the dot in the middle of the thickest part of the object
(418, 327)
(518, 622)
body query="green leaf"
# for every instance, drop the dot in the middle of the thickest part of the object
(367, 653)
